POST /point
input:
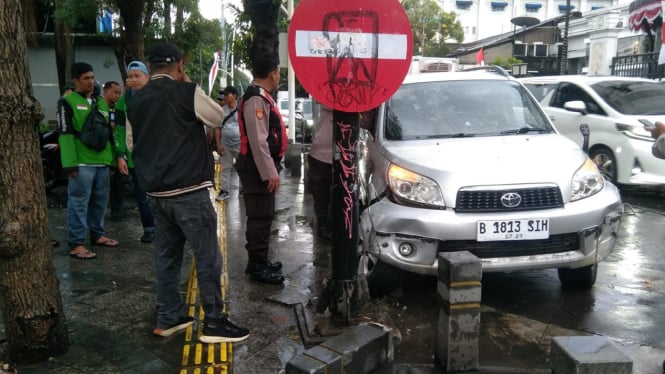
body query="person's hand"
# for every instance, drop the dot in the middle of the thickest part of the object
(122, 166)
(73, 174)
(658, 130)
(273, 184)
(220, 149)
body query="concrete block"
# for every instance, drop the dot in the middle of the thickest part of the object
(364, 348)
(332, 360)
(457, 292)
(458, 332)
(459, 267)
(361, 350)
(303, 364)
(587, 355)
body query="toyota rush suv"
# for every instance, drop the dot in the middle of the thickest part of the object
(468, 161)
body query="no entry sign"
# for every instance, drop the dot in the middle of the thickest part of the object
(350, 55)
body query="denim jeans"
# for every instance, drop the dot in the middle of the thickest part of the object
(147, 218)
(87, 198)
(186, 218)
(228, 172)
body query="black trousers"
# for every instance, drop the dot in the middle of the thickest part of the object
(259, 209)
(319, 177)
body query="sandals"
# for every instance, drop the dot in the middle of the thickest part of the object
(82, 254)
(106, 242)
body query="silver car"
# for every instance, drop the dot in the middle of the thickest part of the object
(468, 161)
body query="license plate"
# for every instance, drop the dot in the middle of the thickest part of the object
(516, 229)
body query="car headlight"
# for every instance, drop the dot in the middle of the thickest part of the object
(415, 188)
(587, 181)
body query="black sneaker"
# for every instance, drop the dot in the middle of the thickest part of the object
(255, 268)
(148, 237)
(222, 330)
(267, 276)
(183, 323)
(223, 195)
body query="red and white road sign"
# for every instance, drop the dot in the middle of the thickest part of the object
(350, 55)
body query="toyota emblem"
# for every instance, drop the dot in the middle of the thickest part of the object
(511, 199)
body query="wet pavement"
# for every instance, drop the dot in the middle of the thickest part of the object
(110, 302)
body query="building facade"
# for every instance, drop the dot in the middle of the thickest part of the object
(481, 19)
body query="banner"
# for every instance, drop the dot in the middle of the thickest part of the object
(213, 72)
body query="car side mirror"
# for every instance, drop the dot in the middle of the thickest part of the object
(575, 106)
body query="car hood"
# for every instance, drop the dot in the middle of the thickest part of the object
(490, 161)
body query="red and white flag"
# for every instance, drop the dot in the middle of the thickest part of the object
(480, 57)
(213, 72)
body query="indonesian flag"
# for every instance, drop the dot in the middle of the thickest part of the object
(661, 56)
(480, 57)
(213, 72)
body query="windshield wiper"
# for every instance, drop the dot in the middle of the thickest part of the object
(444, 136)
(523, 130)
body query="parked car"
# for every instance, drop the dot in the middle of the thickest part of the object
(468, 161)
(612, 108)
(304, 121)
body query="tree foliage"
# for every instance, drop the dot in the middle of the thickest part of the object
(432, 27)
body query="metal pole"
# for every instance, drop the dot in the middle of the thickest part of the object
(344, 292)
(563, 67)
(222, 76)
(291, 84)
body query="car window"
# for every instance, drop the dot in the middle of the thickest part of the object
(460, 109)
(540, 90)
(572, 92)
(629, 97)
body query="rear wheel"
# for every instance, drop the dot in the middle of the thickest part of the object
(606, 162)
(581, 278)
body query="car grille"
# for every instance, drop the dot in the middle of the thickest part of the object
(490, 201)
(511, 248)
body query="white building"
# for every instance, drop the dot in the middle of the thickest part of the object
(484, 18)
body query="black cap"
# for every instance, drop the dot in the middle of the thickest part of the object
(164, 52)
(229, 90)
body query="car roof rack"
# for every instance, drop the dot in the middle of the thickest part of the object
(491, 68)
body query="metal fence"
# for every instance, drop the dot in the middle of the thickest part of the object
(643, 65)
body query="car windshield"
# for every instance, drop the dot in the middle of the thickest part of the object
(630, 97)
(448, 109)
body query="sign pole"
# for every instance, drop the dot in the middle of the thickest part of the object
(351, 56)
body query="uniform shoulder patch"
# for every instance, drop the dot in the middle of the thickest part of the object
(260, 113)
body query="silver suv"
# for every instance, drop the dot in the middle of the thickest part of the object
(469, 161)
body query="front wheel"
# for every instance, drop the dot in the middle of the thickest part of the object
(581, 278)
(606, 162)
(382, 279)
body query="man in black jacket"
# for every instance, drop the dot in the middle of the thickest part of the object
(166, 135)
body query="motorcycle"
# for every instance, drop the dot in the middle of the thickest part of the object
(51, 162)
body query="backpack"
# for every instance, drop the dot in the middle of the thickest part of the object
(96, 130)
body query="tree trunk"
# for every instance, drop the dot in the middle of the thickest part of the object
(131, 43)
(29, 292)
(64, 52)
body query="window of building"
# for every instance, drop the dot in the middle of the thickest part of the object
(562, 8)
(532, 7)
(463, 4)
(498, 6)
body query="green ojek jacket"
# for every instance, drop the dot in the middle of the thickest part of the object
(120, 131)
(73, 151)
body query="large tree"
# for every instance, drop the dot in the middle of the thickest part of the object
(432, 27)
(29, 293)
